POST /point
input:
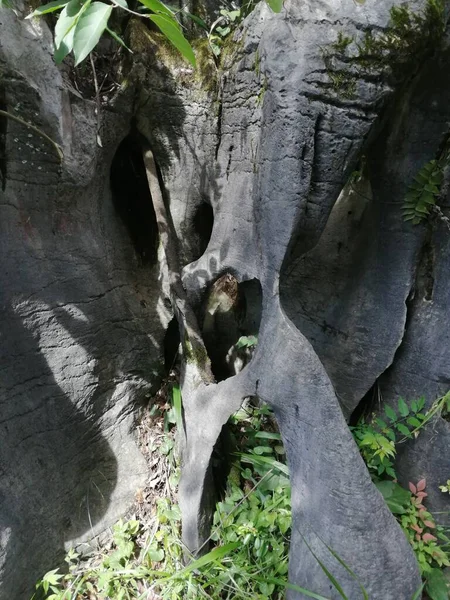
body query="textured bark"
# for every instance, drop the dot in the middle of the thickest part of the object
(352, 296)
(82, 319)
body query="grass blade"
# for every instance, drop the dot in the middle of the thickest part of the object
(291, 586)
(329, 575)
(346, 567)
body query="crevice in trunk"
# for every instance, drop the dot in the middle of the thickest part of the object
(132, 200)
(203, 223)
(171, 345)
(232, 316)
(368, 403)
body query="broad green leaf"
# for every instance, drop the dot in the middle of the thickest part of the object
(91, 24)
(47, 8)
(275, 5)
(121, 3)
(436, 586)
(65, 28)
(396, 497)
(67, 20)
(403, 408)
(170, 29)
(157, 7)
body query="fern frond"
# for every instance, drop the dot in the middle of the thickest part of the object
(422, 193)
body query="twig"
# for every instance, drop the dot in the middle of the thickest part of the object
(97, 100)
(56, 146)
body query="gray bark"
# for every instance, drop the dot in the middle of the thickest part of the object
(352, 296)
(81, 320)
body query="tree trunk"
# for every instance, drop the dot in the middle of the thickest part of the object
(249, 169)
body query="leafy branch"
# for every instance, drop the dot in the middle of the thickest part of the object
(81, 23)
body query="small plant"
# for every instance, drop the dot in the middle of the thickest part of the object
(377, 439)
(423, 192)
(230, 17)
(445, 488)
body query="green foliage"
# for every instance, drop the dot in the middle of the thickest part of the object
(423, 192)
(407, 40)
(245, 341)
(230, 17)
(251, 535)
(377, 441)
(420, 528)
(81, 23)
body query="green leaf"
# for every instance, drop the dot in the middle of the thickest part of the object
(390, 413)
(403, 430)
(291, 586)
(418, 593)
(246, 341)
(52, 577)
(118, 39)
(397, 498)
(155, 555)
(275, 5)
(215, 555)
(328, 574)
(174, 35)
(157, 7)
(413, 422)
(403, 408)
(381, 424)
(121, 3)
(200, 22)
(265, 461)
(267, 435)
(91, 24)
(262, 450)
(47, 8)
(65, 28)
(436, 586)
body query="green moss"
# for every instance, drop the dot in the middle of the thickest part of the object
(230, 49)
(408, 40)
(206, 72)
(195, 354)
(257, 63)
